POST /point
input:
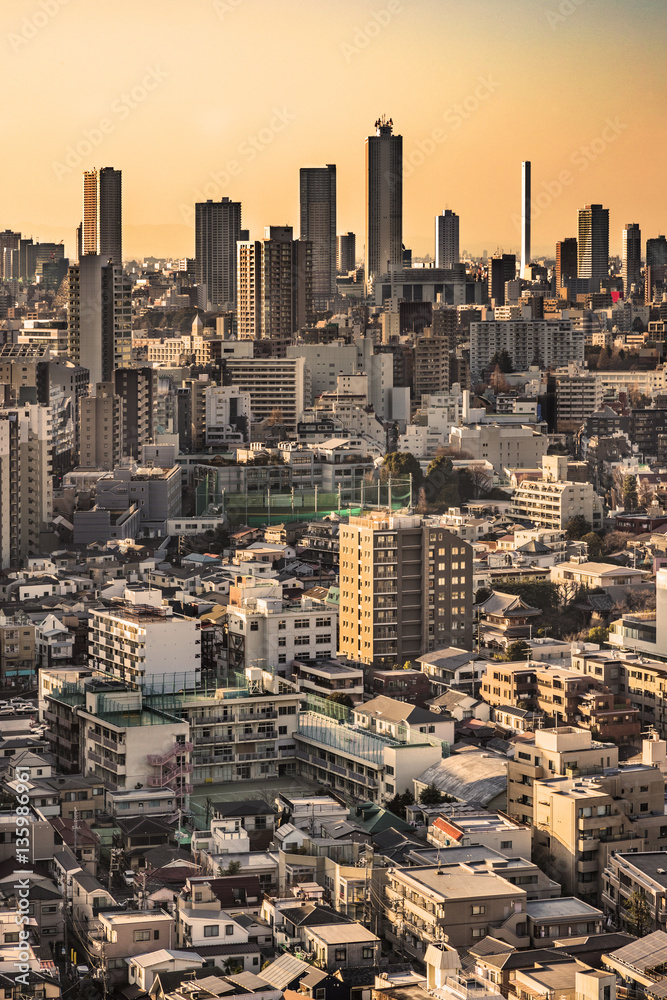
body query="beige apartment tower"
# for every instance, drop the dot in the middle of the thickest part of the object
(101, 428)
(405, 588)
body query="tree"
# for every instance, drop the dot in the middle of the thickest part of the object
(518, 650)
(482, 594)
(594, 543)
(442, 484)
(503, 360)
(402, 463)
(422, 502)
(233, 868)
(474, 482)
(340, 698)
(645, 494)
(430, 796)
(577, 526)
(398, 804)
(598, 634)
(639, 912)
(629, 492)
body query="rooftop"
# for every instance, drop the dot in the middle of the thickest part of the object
(565, 908)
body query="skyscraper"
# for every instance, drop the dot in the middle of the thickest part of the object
(103, 214)
(502, 268)
(525, 215)
(8, 241)
(446, 239)
(217, 231)
(347, 253)
(656, 251)
(275, 285)
(566, 261)
(632, 256)
(593, 245)
(317, 193)
(384, 200)
(99, 317)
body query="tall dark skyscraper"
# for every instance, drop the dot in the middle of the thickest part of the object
(217, 231)
(317, 193)
(103, 214)
(593, 245)
(446, 239)
(384, 200)
(502, 268)
(656, 251)
(631, 256)
(566, 261)
(347, 252)
(525, 215)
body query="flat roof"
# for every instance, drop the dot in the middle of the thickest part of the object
(561, 909)
(343, 933)
(461, 882)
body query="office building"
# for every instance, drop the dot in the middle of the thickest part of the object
(631, 256)
(593, 245)
(502, 268)
(525, 216)
(405, 588)
(25, 481)
(9, 241)
(99, 317)
(566, 262)
(317, 191)
(101, 428)
(656, 252)
(347, 253)
(102, 228)
(217, 232)
(446, 239)
(384, 201)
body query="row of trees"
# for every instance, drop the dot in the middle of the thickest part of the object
(443, 485)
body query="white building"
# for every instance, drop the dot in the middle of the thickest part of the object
(552, 501)
(227, 416)
(544, 342)
(504, 446)
(276, 386)
(146, 645)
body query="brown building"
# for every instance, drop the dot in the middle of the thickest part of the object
(101, 428)
(17, 654)
(402, 685)
(405, 588)
(431, 364)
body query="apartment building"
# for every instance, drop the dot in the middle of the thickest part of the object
(325, 677)
(496, 831)
(552, 501)
(582, 573)
(101, 428)
(644, 873)
(580, 822)
(578, 395)
(245, 730)
(358, 763)
(452, 904)
(517, 446)
(631, 675)
(124, 935)
(145, 645)
(563, 751)
(266, 630)
(17, 652)
(25, 481)
(405, 588)
(276, 386)
(555, 342)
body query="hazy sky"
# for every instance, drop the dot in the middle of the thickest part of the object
(205, 98)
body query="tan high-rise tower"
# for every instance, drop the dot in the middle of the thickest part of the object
(103, 214)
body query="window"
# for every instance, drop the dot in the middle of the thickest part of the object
(479, 932)
(211, 930)
(254, 626)
(229, 929)
(340, 954)
(142, 935)
(156, 935)
(477, 910)
(282, 641)
(366, 954)
(282, 658)
(505, 845)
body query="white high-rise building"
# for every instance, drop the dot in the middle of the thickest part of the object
(446, 239)
(384, 201)
(99, 317)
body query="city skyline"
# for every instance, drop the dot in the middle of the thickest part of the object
(462, 147)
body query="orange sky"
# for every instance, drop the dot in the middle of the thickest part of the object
(205, 98)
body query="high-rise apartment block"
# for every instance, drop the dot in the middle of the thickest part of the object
(446, 239)
(502, 268)
(656, 251)
(217, 231)
(101, 428)
(631, 256)
(138, 389)
(25, 481)
(9, 241)
(405, 588)
(347, 253)
(593, 245)
(317, 190)
(566, 262)
(274, 285)
(99, 316)
(384, 201)
(103, 214)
